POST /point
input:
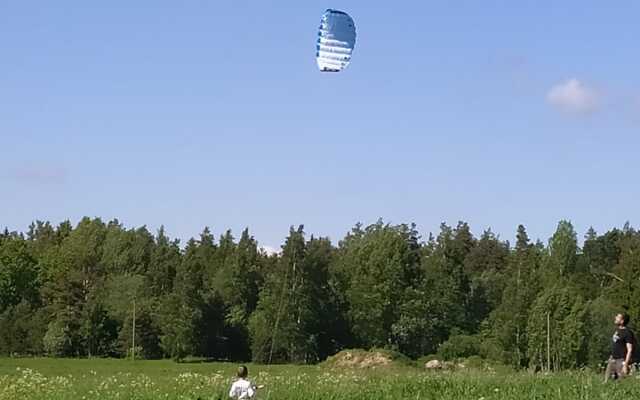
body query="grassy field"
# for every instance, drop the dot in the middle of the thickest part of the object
(55, 379)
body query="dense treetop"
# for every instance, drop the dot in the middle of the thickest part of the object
(71, 291)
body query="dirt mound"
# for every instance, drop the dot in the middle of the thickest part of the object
(365, 359)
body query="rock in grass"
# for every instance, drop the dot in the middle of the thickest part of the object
(433, 364)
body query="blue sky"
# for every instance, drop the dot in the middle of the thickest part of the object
(213, 113)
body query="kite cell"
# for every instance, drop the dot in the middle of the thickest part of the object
(336, 40)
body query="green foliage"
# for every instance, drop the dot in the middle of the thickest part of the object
(625, 289)
(98, 330)
(508, 323)
(57, 340)
(375, 266)
(421, 325)
(22, 329)
(287, 324)
(460, 346)
(126, 251)
(164, 259)
(178, 321)
(562, 315)
(601, 312)
(563, 250)
(69, 291)
(440, 302)
(466, 346)
(147, 337)
(18, 274)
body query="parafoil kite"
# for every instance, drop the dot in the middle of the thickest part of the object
(336, 40)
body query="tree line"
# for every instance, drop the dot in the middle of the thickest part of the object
(70, 291)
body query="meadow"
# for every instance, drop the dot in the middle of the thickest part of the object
(58, 379)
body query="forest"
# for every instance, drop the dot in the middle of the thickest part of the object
(74, 291)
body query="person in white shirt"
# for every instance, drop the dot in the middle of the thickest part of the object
(242, 388)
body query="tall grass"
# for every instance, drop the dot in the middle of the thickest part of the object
(53, 379)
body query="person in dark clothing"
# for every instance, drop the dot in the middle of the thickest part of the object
(619, 362)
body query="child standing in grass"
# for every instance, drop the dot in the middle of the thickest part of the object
(242, 388)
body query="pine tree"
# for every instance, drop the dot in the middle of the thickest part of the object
(238, 283)
(164, 260)
(181, 320)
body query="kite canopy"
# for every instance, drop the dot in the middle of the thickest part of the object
(336, 40)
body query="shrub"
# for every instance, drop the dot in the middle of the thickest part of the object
(460, 346)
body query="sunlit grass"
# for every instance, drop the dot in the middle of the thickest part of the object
(56, 379)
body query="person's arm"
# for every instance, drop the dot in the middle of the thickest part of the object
(232, 391)
(627, 359)
(607, 371)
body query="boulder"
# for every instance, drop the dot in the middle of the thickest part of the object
(433, 364)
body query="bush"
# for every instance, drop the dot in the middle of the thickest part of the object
(465, 346)
(490, 349)
(475, 362)
(460, 346)
(22, 329)
(55, 340)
